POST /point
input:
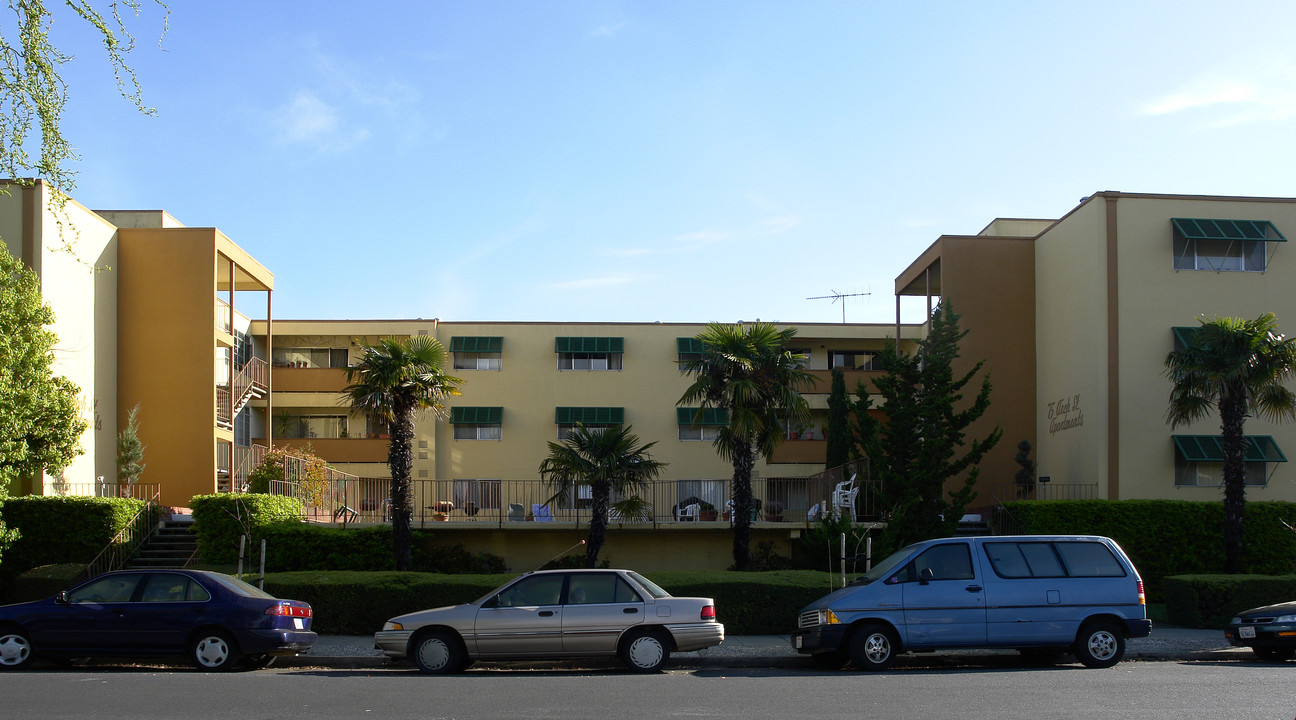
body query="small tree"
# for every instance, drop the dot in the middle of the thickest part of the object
(1025, 477)
(130, 453)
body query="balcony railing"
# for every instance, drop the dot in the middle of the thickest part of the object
(142, 491)
(224, 317)
(507, 502)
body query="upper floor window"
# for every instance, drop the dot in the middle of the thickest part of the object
(705, 427)
(1223, 245)
(687, 349)
(853, 359)
(310, 357)
(1199, 460)
(477, 423)
(477, 353)
(589, 353)
(593, 418)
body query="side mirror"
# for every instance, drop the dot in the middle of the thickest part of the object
(62, 598)
(926, 576)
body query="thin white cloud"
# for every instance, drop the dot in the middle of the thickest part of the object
(608, 30)
(1261, 92)
(595, 282)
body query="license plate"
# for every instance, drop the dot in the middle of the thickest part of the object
(300, 624)
(1246, 632)
(796, 642)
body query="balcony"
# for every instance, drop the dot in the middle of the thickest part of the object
(852, 377)
(810, 452)
(525, 504)
(340, 450)
(308, 379)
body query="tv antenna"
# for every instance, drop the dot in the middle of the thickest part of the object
(839, 296)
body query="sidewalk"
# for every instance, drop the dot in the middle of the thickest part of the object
(750, 651)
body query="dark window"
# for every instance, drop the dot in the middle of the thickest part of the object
(532, 591)
(166, 587)
(110, 589)
(1089, 559)
(946, 562)
(589, 589)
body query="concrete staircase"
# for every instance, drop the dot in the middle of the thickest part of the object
(171, 546)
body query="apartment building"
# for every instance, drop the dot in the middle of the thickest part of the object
(1075, 317)
(149, 313)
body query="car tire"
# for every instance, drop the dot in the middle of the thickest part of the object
(873, 647)
(15, 650)
(214, 651)
(645, 651)
(834, 660)
(1099, 645)
(1272, 654)
(437, 652)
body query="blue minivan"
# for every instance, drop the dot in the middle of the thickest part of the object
(1044, 595)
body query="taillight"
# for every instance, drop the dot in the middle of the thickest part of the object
(289, 611)
(708, 612)
(1142, 597)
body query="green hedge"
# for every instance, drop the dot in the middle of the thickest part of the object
(219, 521)
(358, 603)
(1209, 601)
(62, 529)
(1170, 537)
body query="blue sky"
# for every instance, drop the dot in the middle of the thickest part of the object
(659, 160)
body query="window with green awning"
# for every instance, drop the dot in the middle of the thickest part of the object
(589, 415)
(1209, 448)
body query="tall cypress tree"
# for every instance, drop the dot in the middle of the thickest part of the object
(923, 444)
(839, 427)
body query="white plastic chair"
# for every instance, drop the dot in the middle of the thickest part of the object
(689, 512)
(843, 498)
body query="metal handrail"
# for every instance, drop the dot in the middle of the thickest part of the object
(125, 542)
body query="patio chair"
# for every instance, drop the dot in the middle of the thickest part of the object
(516, 512)
(843, 498)
(688, 512)
(541, 513)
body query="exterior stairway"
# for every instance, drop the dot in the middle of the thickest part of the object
(172, 546)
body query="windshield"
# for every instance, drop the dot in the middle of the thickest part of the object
(653, 588)
(886, 567)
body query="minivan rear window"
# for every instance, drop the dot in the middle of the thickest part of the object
(1052, 559)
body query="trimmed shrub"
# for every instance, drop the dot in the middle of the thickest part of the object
(358, 603)
(1170, 537)
(57, 529)
(219, 521)
(47, 580)
(1210, 601)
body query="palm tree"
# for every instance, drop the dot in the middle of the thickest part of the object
(1237, 366)
(747, 371)
(610, 460)
(395, 381)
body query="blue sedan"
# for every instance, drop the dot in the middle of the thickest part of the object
(216, 621)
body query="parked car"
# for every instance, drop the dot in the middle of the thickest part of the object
(218, 622)
(1044, 595)
(1269, 631)
(557, 614)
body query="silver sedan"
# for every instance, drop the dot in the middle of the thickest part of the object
(557, 614)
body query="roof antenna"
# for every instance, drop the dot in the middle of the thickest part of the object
(564, 552)
(839, 296)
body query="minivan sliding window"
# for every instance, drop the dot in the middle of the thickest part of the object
(1049, 559)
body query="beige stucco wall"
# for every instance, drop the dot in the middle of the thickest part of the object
(1154, 298)
(1071, 349)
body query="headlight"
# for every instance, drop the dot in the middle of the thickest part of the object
(827, 617)
(389, 625)
(1285, 619)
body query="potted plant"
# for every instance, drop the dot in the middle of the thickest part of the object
(774, 511)
(440, 516)
(707, 511)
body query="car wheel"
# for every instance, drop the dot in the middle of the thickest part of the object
(214, 650)
(645, 651)
(437, 652)
(1271, 654)
(15, 650)
(873, 647)
(834, 660)
(1100, 645)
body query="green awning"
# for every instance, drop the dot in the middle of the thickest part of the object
(465, 343)
(589, 415)
(710, 416)
(1207, 448)
(1184, 335)
(477, 415)
(1203, 229)
(689, 345)
(589, 345)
